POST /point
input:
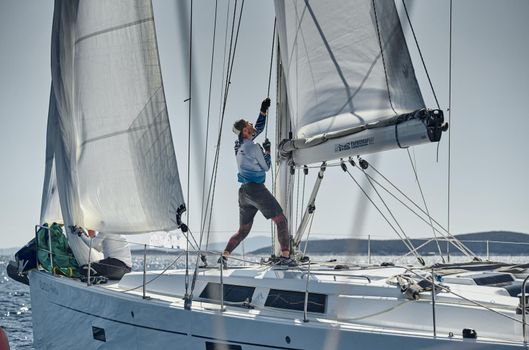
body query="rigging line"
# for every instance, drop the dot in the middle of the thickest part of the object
(385, 218)
(303, 192)
(413, 211)
(387, 208)
(462, 246)
(270, 72)
(220, 105)
(383, 59)
(425, 205)
(420, 54)
(308, 235)
(203, 214)
(213, 182)
(189, 143)
(209, 202)
(449, 117)
(297, 197)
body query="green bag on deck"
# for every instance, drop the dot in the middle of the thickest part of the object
(64, 262)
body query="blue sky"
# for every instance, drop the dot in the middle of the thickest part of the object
(489, 126)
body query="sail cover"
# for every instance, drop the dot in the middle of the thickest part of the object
(346, 64)
(110, 156)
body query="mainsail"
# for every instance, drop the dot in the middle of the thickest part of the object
(347, 69)
(110, 156)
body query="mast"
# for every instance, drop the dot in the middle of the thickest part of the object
(284, 180)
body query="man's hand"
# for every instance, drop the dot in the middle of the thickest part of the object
(265, 105)
(266, 145)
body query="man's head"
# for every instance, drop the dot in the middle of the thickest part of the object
(244, 129)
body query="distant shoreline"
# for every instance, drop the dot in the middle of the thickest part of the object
(499, 243)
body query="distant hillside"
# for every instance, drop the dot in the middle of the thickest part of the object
(397, 247)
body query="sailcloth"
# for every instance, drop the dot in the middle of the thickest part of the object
(110, 157)
(346, 64)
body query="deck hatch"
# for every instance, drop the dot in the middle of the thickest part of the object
(232, 293)
(99, 334)
(286, 299)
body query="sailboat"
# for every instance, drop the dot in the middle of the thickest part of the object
(111, 166)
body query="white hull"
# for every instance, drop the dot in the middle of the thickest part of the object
(65, 312)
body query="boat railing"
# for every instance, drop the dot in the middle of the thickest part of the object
(334, 275)
(524, 310)
(446, 289)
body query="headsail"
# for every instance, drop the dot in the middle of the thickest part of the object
(114, 159)
(347, 68)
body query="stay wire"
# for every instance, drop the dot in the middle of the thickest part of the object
(381, 213)
(462, 246)
(204, 210)
(270, 72)
(220, 104)
(209, 202)
(425, 205)
(389, 210)
(189, 143)
(449, 118)
(230, 71)
(448, 236)
(231, 58)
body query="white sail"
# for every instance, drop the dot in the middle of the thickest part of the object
(109, 137)
(346, 65)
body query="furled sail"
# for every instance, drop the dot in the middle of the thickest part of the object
(347, 69)
(109, 139)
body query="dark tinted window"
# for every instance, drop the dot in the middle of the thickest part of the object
(232, 293)
(492, 279)
(219, 346)
(285, 299)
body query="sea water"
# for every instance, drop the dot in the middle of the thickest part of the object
(15, 306)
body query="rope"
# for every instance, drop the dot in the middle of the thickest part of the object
(270, 72)
(449, 118)
(385, 218)
(420, 54)
(204, 210)
(425, 205)
(231, 59)
(189, 141)
(414, 212)
(461, 246)
(389, 211)
(211, 194)
(220, 105)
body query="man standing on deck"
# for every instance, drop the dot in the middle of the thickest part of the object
(253, 162)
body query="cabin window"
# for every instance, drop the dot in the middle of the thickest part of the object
(220, 346)
(285, 299)
(232, 293)
(492, 279)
